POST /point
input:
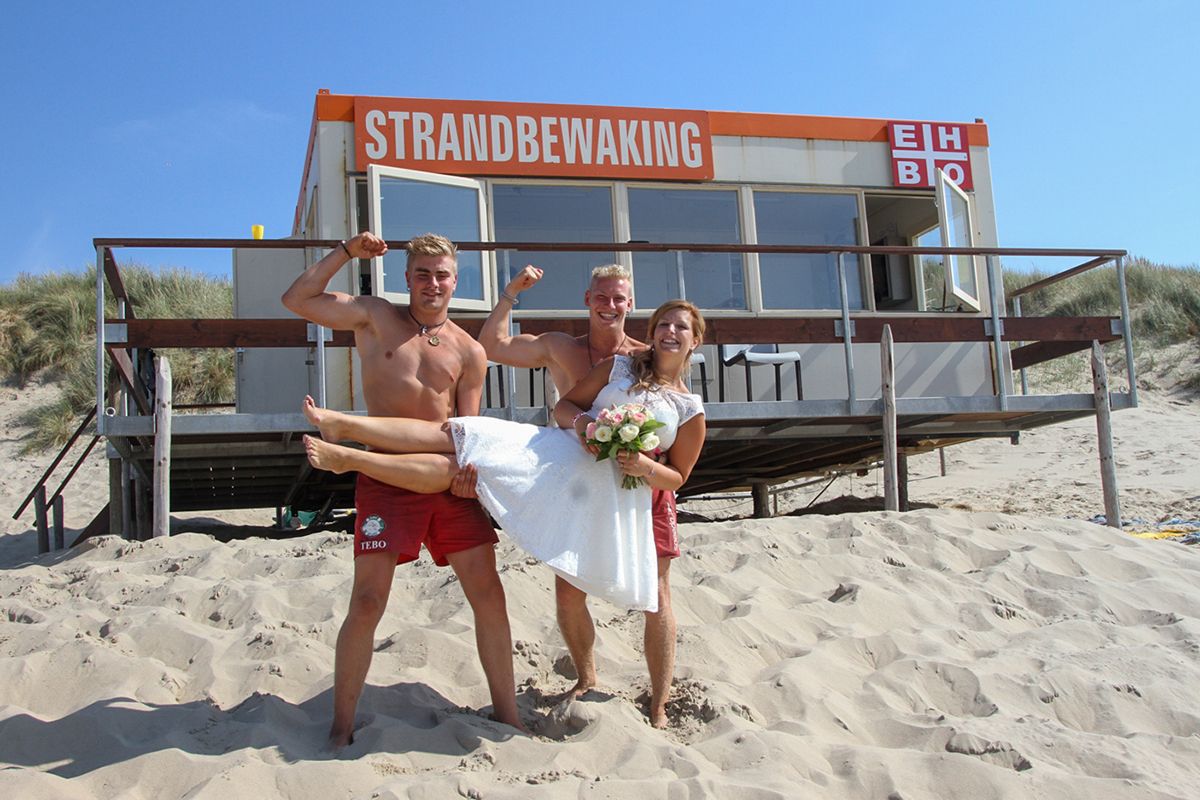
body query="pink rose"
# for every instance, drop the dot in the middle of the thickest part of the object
(591, 430)
(637, 417)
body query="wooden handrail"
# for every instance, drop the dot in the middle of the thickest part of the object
(61, 454)
(1061, 276)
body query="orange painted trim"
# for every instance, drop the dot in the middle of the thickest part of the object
(799, 126)
(340, 108)
(335, 107)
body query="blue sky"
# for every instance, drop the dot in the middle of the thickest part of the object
(173, 119)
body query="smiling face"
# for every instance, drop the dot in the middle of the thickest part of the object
(608, 301)
(674, 332)
(431, 281)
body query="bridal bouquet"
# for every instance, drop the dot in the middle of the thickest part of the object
(628, 426)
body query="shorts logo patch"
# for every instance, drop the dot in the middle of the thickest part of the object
(373, 525)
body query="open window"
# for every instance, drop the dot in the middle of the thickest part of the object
(404, 203)
(958, 230)
(898, 219)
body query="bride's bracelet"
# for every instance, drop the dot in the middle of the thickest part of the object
(575, 419)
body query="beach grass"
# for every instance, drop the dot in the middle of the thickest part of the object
(48, 329)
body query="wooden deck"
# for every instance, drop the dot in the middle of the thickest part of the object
(256, 460)
(222, 460)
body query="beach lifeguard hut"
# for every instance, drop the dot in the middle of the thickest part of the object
(849, 270)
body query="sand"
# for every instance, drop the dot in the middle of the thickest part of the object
(990, 644)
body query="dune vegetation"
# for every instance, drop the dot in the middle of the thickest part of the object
(48, 333)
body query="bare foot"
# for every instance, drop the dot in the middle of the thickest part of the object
(324, 455)
(581, 687)
(658, 717)
(337, 743)
(515, 723)
(327, 422)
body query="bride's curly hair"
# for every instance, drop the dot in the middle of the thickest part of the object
(642, 364)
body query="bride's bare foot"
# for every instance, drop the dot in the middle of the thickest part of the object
(325, 455)
(328, 422)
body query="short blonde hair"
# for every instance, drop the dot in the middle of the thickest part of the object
(431, 244)
(611, 271)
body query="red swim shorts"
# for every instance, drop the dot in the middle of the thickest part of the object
(397, 521)
(666, 528)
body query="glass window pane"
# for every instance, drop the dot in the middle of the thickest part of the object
(411, 208)
(554, 214)
(804, 280)
(711, 280)
(958, 234)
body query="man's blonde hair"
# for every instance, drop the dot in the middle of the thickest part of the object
(611, 271)
(431, 244)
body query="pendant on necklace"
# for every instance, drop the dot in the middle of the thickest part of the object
(434, 340)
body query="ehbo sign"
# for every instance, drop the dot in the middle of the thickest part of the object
(920, 149)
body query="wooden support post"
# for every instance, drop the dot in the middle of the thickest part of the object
(902, 483)
(116, 497)
(141, 504)
(887, 372)
(129, 520)
(39, 513)
(56, 517)
(162, 447)
(1108, 469)
(942, 459)
(761, 493)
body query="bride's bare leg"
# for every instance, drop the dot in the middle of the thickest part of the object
(393, 434)
(428, 473)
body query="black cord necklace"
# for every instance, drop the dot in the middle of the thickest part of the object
(429, 331)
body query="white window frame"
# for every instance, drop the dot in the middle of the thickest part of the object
(947, 192)
(622, 189)
(864, 263)
(486, 263)
(622, 258)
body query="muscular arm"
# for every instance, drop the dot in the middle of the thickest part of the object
(522, 350)
(310, 298)
(467, 397)
(468, 393)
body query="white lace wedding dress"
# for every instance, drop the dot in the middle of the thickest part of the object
(565, 508)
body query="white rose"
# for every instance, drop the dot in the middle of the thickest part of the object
(627, 432)
(603, 433)
(650, 441)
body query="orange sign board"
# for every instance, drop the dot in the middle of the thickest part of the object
(456, 137)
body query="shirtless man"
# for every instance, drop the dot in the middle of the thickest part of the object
(609, 298)
(416, 363)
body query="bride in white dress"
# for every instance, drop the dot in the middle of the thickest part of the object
(542, 485)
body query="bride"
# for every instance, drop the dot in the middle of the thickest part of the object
(543, 486)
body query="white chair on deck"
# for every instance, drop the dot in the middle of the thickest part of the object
(750, 355)
(698, 358)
